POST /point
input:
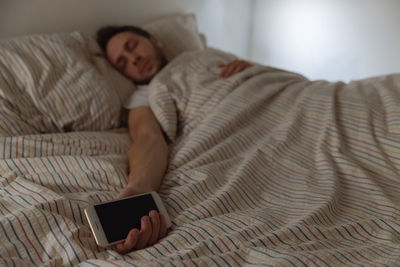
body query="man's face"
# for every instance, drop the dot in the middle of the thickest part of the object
(135, 56)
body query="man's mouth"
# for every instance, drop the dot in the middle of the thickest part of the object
(146, 66)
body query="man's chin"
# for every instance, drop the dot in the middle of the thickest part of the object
(143, 81)
(152, 74)
(147, 79)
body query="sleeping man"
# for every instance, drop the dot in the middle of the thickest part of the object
(138, 56)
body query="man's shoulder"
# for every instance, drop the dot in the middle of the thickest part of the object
(194, 60)
(207, 53)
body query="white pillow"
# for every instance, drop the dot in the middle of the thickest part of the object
(52, 83)
(177, 33)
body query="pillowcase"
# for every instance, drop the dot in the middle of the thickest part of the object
(177, 33)
(52, 83)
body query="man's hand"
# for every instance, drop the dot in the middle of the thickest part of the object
(233, 67)
(153, 228)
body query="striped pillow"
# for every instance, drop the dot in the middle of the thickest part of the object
(53, 83)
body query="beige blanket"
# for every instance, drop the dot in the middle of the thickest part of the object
(266, 168)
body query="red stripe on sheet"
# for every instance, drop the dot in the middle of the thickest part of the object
(55, 252)
(76, 189)
(196, 232)
(270, 240)
(27, 238)
(24, 193)
(20, 161)
(238, 264)
(188, 254)
(355, 229)
(204, 215)
(33, 180)
(97, 170)
(354, 257)
(69, 230)
(309, 230)
(287, 237)
(224, 244)
(183, 202)
(181, 180)
(165, 248)
(333, 238)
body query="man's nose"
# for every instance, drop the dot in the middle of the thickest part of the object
(133, 58)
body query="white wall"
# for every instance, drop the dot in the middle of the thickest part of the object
(21, 16)
(225, 22)
(322, 39)
(328, 39)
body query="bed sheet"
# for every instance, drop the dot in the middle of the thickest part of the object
(266, 168)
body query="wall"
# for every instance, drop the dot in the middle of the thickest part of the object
(227, 24)
(322, 39)
(218, 19)
(20, 16)
(328, 39)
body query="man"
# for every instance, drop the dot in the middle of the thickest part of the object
(138, 56)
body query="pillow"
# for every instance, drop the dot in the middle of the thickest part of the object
(52, 83)
(178, 34)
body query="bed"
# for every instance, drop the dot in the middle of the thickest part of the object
(266, 168)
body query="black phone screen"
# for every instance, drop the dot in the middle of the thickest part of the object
(119, 217)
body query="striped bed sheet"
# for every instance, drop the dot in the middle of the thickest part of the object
(266, 168)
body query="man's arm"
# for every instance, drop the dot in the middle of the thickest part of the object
(148, 158)
(148, 155)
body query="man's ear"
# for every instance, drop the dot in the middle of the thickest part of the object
(156, 42)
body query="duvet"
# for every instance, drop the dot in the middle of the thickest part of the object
(265, 168)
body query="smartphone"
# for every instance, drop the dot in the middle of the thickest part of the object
(111, 221)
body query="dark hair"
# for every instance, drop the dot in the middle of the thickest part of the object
(104, 34)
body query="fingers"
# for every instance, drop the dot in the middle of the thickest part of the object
(155, 222)
(153, 228)
(233, 68)
(146, 230)
(129, 243)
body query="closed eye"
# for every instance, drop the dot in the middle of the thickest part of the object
(130, 45)
(121, 63)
